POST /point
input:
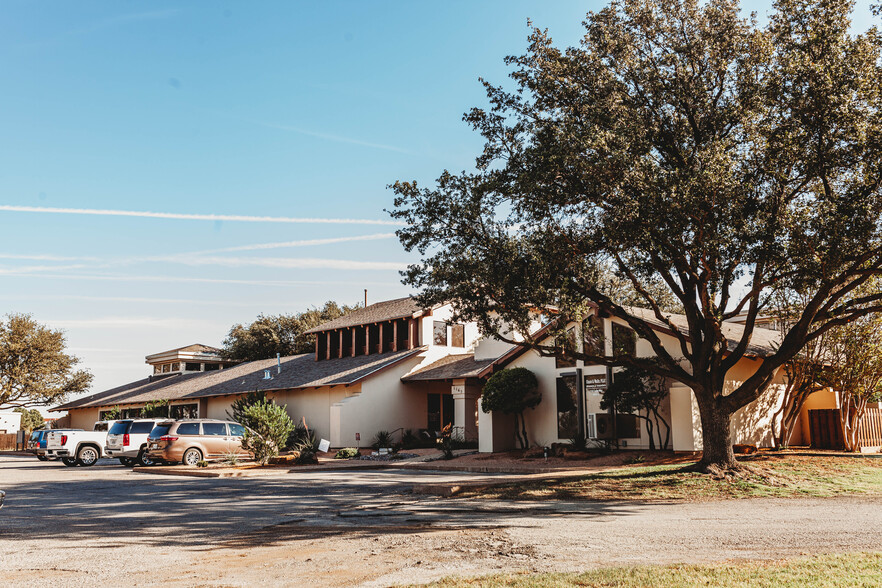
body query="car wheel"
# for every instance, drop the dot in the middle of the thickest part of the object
(143, 459)
(191, 457)
(69, 461)
(126, 461)
(87, 456)
(42, 458)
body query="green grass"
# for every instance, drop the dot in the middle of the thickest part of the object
(851, 570)
(767, 476)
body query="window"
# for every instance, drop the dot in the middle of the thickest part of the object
(184, 411)
(236, 430)
(210, 367)
(141, 428)
(176, 367)
(627, 426)
(565, 360)
(592, 335)
(122, 427)
(457, 335)
(165, 367)
(184, 429)
(160, 430)
(439, 333)
(214, 429)
(624, 340)
(567, 407)
(157, 369)
(192, 367)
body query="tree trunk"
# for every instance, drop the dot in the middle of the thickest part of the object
(526, 442)
(716, 437)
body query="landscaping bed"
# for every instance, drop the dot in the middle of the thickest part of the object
(766, 475)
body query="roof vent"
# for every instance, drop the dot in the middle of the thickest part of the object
(267, 375)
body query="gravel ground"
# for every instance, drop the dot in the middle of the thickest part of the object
(108, 525)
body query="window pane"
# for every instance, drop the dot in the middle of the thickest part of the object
(214, 429)
(159, 430)
(188, 429)
(566, 360)
(624, 340)
(236, 430)
(592, 335)
(457, 335)
(141, 428)
(439, 336)
(122, 427)
(192, 367)
(567, 408)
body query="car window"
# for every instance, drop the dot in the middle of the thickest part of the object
(100, 427)
(214, 429)
(188, 429)
(141, 428)
(236, 430)
(120, 428)
(160, 430)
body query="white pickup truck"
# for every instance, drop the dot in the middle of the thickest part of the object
(76, 446)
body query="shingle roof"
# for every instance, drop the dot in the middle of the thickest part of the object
(374, 313)
(298, 371)
(451, 367)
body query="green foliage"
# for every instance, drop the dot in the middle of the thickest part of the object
(112, 415)
(512, 391)
(268, 431)
(638, 391)
(698, 154)
(34, 368)
(347, 453)
(231, 458)
(201, 464)
(382, 439)
(237, 408)
(282, 334)
(409, 440)
(304, 440)
(154, 409)
(31, 419)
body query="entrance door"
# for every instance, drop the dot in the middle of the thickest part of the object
(440, 411)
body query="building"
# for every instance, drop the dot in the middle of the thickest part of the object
(395, 366)
(10, 422)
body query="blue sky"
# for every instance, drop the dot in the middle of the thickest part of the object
(297, 113)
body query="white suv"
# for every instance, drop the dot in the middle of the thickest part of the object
(127, 441)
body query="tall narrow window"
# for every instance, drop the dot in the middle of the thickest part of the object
(439, 333)
(563, 359)
(592, 335)
(457, 335)
(567, 407)
(624, 340)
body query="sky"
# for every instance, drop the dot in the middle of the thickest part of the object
(172, 169)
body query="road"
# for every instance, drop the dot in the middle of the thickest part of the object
(109, 525)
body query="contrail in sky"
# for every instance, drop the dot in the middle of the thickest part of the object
(301, 243)
(203, 217)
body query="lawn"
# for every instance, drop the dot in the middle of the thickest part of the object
(766, 476)
(852, 570)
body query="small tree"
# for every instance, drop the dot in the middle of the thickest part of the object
(638, 391)
(31, 419)
(512, 391)
(857, 372)
(268, 430)
(237, 409)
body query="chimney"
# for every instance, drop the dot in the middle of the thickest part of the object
(278, 363)
(365, 297)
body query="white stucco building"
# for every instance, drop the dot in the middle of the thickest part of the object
(394, 366)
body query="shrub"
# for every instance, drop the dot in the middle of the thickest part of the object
(304, 441)
(237, 409)
(347, 453)
(231, 458)
(409, 440)
(512, 391)
(268, 429)
(382, 439)
(201, 464)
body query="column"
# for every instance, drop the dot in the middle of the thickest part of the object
(465, 403)
(685, 419)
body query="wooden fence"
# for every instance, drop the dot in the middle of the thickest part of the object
(8, 442)
(870, 431)
(826, 429)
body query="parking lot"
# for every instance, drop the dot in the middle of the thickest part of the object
(107, 524)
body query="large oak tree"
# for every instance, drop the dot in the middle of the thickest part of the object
(685, 145)
(35, 369)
